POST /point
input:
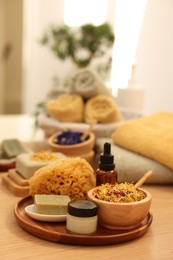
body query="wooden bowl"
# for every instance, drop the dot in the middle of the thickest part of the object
(80, 149)
(122, 216)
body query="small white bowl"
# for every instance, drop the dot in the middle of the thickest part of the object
(42, 217)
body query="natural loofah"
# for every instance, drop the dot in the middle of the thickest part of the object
(87, 83)
(72, 176)
(66, 108)
(101, 109)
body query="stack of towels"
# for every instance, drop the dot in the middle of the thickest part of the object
(144, 144)
(88, 101)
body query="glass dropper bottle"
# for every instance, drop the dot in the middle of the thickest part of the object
(106, 172)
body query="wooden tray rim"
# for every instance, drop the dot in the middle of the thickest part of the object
(99, 239)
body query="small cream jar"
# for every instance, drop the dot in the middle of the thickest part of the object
(82, 217)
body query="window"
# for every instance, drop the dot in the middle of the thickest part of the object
(128, 19)
(127, 23)
(78, 12)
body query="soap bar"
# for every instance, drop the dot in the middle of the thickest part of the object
(11, 148)
(51, 204)
(27, 163)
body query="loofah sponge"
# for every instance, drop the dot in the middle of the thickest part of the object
(73, 177)
(101, 109)
(66, 108)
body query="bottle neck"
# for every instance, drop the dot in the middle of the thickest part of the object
(106, 167)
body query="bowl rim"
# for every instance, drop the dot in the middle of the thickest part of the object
(146, 199)
(85, 142)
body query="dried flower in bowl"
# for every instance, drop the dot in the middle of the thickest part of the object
(69, 137)
(123, 192)
(121, 206)
(73, 143)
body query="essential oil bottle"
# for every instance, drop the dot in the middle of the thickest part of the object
(106, 172)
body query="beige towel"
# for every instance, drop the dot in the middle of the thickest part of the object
(151, 136)
(101, 109)
(66, 108)
(132, 166)
(87, 83)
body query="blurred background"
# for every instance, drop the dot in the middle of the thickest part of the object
(143, 45)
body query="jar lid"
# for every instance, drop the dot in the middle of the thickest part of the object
(82, 208)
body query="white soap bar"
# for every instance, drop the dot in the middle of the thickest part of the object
(27, 166)
(51, 204)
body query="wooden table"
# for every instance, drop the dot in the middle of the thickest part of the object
(157, 243)
(19, 126)
(16, 243)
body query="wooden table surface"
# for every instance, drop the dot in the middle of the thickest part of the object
(157, 243)
(16, 243)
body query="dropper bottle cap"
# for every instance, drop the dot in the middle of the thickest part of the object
(106, 159)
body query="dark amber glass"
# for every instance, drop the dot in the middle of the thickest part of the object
(103, 177)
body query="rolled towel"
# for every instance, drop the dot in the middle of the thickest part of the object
(66, 108)
(87, 83)
(101, 109)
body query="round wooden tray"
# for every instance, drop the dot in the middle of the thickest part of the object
(56, 232)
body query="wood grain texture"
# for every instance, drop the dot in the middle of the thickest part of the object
(11, 185)
(122, 216)
(16, 243)
(17, 178)
(57, 231)
(6, 164)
